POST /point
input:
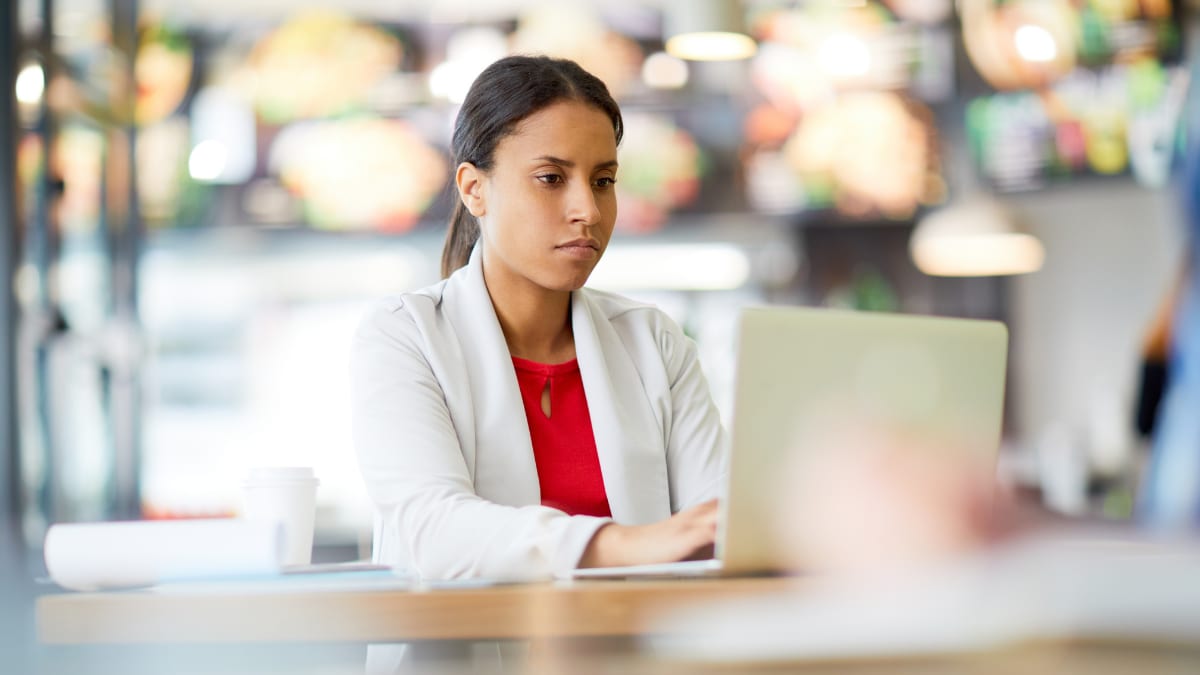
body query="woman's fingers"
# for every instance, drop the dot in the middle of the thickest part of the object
(687, 535)
(703, 553)
(694, 531)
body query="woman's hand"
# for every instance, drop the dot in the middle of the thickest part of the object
(689, 534)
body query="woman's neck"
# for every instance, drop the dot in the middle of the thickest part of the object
(536, 321)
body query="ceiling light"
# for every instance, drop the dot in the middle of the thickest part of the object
(974, 239)
(706, 30)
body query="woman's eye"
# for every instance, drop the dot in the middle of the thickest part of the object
(550, 178)
(605, 182)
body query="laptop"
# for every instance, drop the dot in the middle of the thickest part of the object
(940, 378)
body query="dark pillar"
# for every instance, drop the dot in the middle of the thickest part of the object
(125, 246)
(8, 259)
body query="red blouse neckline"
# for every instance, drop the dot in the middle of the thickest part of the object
(550, 369)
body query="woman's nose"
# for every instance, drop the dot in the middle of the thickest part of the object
(582, 206)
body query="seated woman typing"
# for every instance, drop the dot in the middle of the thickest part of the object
(509, 422)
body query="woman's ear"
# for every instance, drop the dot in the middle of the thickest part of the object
(469, 180)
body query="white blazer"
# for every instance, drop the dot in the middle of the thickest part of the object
(444, 446)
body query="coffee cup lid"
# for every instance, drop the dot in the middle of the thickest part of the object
(273, 475)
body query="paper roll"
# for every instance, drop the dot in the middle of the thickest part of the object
(96, 556)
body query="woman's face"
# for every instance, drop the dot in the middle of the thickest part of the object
(547, 206)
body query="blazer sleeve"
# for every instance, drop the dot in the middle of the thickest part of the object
(413, 465)
(697, 445)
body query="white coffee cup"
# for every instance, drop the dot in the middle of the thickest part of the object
(286, 495)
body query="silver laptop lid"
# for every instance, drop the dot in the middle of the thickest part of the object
(799, 367)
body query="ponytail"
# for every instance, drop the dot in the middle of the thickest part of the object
(460, 239)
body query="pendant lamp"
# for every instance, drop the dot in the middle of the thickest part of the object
(974, 238)
(706, 30)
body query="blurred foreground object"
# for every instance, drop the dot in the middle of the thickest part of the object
(1087, 587)
(880, 499)
(907, 549)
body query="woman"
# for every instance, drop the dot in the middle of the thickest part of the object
(509, 422)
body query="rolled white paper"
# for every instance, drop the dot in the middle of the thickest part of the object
(96, 556)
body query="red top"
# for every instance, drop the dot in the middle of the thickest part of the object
(563, 445)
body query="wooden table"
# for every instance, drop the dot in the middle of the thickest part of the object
(528, 611)
(563, 619)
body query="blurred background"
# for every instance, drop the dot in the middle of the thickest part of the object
(202, 198)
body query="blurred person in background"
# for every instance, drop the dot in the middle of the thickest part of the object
(1170, 496)
(509, 422)
(1155, 348)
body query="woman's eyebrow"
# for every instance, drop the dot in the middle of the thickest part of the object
(568, 164)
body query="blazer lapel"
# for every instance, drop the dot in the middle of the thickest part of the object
(628, 438)
(504, 468)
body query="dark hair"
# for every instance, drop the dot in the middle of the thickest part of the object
(505, 93)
